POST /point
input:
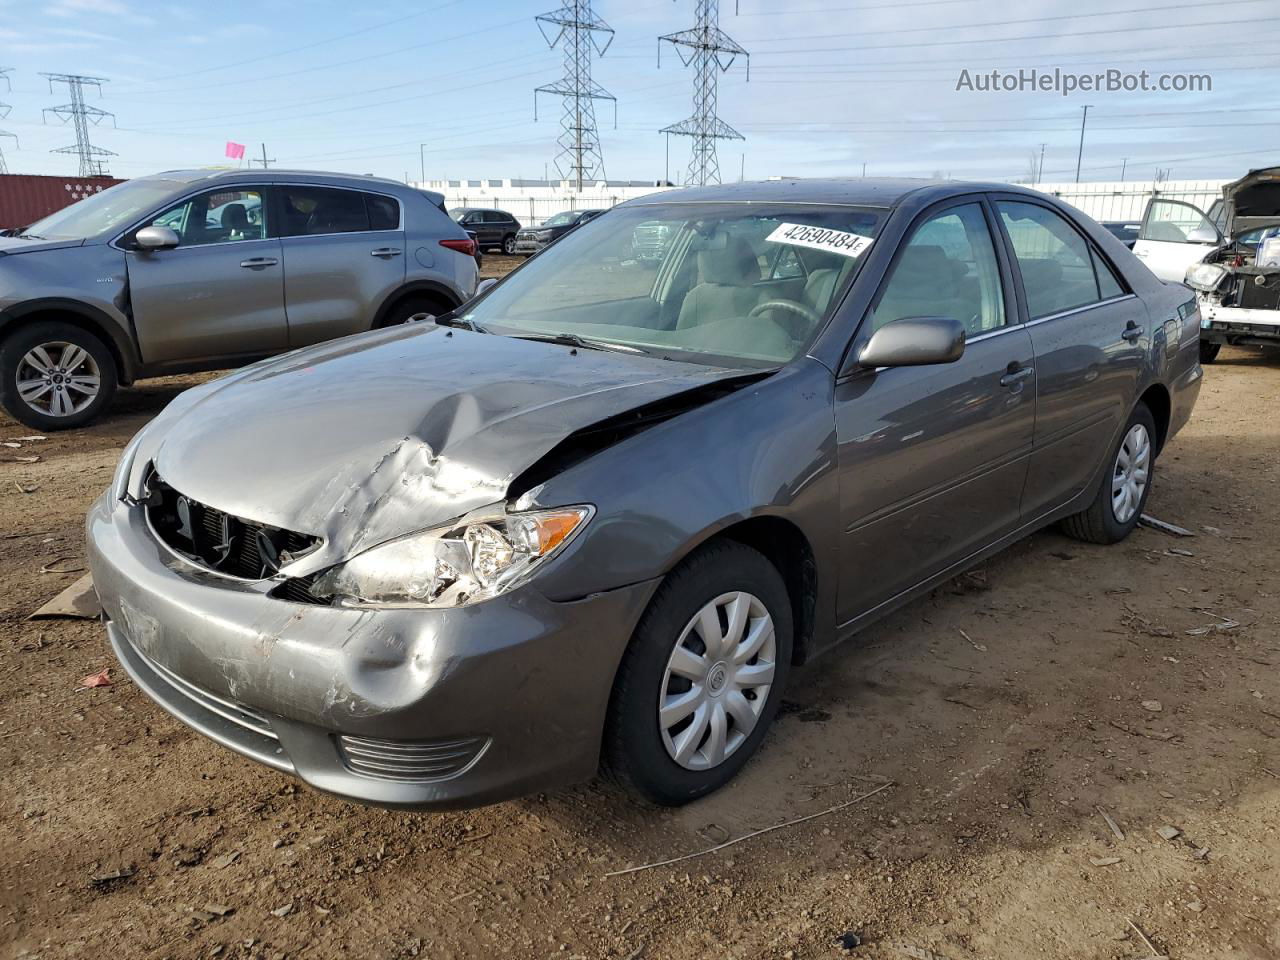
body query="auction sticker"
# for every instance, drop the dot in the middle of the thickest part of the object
(820, 238)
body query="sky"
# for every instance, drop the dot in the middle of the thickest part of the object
(446, 86)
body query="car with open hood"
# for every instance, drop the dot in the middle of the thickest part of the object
(208, 269)
(591, 519)
(1230, 255)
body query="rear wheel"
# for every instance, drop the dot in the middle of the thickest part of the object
(1209, 351)
(55, 375)
(415, 308)
(1123, 490)
(702, 678)
(509, 244)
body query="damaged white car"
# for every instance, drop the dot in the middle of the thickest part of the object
(1230, 256)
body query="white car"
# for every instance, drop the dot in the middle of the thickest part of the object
(1230, 256)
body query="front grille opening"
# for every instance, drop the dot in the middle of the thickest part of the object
(298, 590)
(218, 541)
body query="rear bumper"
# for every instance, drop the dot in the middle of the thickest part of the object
(406, 708)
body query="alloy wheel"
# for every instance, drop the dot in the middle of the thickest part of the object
(1129, 476)
(717, 681)
(509, 246)
(58, 378)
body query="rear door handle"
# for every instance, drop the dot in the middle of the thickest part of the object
(1015, 377)
(1132, 332)
(386, 253)
(256, 262)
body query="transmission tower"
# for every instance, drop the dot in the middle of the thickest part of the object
(712, 51)
(78, 113)
(582, 32)
(4, 112)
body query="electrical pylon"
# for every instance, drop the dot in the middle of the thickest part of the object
(4, 112)
(582, 33)
(78, 113)
(712, 51)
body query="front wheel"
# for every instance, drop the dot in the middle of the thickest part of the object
(1209, 351)
(55, 375)
(415, 308)
(702, 678)
(509, 244)
(1122, 493)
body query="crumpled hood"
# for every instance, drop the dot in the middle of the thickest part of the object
(369, 438)
(15, 245)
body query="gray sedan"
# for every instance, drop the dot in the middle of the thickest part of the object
(594, 517)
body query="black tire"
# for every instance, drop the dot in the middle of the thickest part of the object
(406, 309)
(1209, 351)
(1098, 523)
(509, 244)
(24, 339)
(634, 754)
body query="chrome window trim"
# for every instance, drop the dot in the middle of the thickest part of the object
(1081, 309)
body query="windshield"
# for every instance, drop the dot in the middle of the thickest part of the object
(725, 284)
(457, 213)
(561, 220)
(103, 212)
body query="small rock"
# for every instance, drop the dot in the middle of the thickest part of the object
(1201, 854)
(282, 911)
(848, 940)
(227, 859)
(220, 909)
(1153, 705)
(1196, 906)
(1169, 833)
(1104, 861)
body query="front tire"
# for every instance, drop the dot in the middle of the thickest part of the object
(702, 678)
(509, 244)
(55, 375)
(1209, 351)
(1124, 487)
(413, 307)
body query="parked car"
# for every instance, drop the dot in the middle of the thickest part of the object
(201, 270)
(1122, 230)
(649, 241)
(494, 229)
(595, 516)
(532, 239)
(1223, 256)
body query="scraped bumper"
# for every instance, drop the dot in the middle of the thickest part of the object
(410, 708)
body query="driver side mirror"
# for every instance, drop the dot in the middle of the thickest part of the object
(914, 342)
(484, 285)
(1203, 235)
(156, 238)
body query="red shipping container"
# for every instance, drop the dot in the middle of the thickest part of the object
(26, 198)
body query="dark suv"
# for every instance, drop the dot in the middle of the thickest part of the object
(493, 228)
(532, 239)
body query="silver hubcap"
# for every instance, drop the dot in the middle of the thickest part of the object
(58, 378)
(1129, 478)
(717, 681)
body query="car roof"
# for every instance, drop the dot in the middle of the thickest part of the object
(268, 176)
(851, 191)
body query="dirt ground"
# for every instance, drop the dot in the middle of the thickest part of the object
(1004, 712)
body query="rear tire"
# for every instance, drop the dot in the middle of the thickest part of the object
(687, 714)
(406, 310)
(1209, 351)
(55, 375)
(1123, 488)
(509, 244)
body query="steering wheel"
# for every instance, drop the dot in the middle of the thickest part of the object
(789, 305)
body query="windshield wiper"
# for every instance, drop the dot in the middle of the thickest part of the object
(31, 236)
(573, 340)
(451, 319)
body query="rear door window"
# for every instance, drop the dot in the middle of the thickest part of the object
(314, 211)
(1056, 262)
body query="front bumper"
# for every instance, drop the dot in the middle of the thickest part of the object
(1219, 324)
(529, 245)
(367, 704)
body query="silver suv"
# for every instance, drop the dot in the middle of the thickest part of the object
(201, 270)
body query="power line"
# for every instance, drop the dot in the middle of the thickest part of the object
(81, 115)
(713, 51)
(583, 33)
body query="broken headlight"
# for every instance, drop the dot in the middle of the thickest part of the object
(473, 561)
(1204, 276)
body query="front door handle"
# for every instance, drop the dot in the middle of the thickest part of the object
(386, 253)
(1132, 332)
(1014, 378)
(254, 263)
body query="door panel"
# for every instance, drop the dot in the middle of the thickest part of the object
(932, 466)
(1173, 238)
(338, 272)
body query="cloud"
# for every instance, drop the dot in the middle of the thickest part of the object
(69, 9)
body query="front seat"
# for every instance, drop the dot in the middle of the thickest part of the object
(235, 222)
(725, 288)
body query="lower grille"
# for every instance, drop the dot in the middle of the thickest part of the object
(237, 713)
(218, 541)
(409, 762)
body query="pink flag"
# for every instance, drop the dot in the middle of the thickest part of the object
(235, 150)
